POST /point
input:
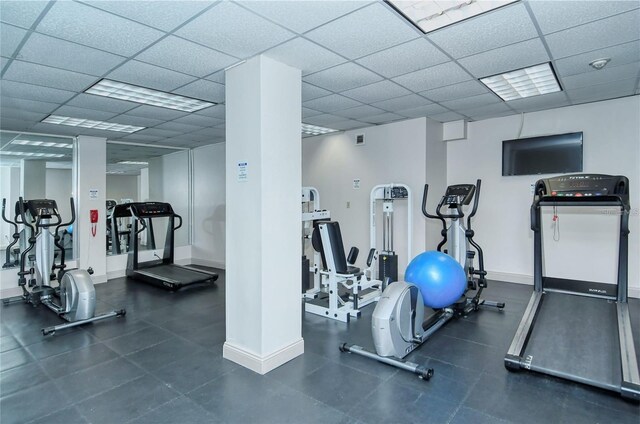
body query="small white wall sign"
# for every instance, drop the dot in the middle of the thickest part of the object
(356, 183)
(93, 193)
(242, 171)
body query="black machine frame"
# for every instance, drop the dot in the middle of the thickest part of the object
(161, 272)
(594, 342)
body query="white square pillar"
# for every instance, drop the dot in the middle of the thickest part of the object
(91, 178)
(33, 179)
(263, 181)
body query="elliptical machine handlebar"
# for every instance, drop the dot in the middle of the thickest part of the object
(424, 205)
(143, 225)
(476, 200)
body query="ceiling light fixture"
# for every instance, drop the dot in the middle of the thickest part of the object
(132, 162)
(526, 82)
(146, 96)
(33, 154)
(43, 144)
(88, 123)
(309, 129)
(429, 15)
(599, 63)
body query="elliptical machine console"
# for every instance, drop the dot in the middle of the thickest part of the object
(74, 298)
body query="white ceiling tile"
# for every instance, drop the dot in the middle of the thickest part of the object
(446, 117)
(20, 12)
(545, 101)
(420, 111)
(56, 129)
(343, 77)
(83, 113)
(10, 113)
(619, 55)
(436, 76)
(383, 118)
(471, 102)
(360, 111)
(505, 59)
(178, 127)
(203, 90)
(231, 29)
(3, 62)
(491, 30)
(217, 77)
(557, 15)
(376, 92)
(154, 132)
(408, 57)
(307, 113)
(455, 91)
(331, 103)
(608, 74)
(217, 111)
(91, 101)
(211, 132)
(325, 120)
(310, 92)
(165, 17)
(94, 28)
(153, 112)
(10, 38)
(605, 91)
(607, 32)
(141, 138)
(11, 124)
(31, 73)
(301, 16)
(349, 125)
(66, 55)
(198, 120)
(304, 55)
(345, 35)
(400, 103)
(186, 57)
(150, 76)
(34, 92)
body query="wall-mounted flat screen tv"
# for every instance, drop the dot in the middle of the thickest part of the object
(552, 154)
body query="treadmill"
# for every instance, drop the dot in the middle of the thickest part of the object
(161, 272)
(573, 329)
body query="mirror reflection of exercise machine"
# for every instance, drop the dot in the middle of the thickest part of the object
(311, 216)
(12, 253)
(573, 329)
(387, 258)
(161, 272)
(120, 223)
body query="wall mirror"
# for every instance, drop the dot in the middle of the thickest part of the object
(34, 166)
(139, 173)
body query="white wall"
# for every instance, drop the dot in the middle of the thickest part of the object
(209, 205)
(59, 187)
(611, 146)
(392, 153)
(122, 187)
(9, 189)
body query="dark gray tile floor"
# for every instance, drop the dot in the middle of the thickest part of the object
(162, 363)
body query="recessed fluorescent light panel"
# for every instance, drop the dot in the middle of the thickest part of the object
(429, 15)
(146, 96)
(33, 154)
(88, 123)
(526, 82)
(315, 130)
(132, 162)
(43, 144)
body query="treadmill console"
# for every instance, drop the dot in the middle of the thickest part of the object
(152, 209)
(581, 186)
(459, 194)
(43, 208)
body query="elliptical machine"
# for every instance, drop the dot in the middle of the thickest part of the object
(397, 321)
(74, 299)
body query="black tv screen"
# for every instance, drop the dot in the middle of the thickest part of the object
(553, 154)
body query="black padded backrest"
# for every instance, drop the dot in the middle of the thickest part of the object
(339, 257)
(316, 242)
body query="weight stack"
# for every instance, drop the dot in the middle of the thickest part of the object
(388, 266)
(306, 276)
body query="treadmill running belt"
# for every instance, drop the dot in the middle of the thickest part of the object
(576, 337)
(182, 275)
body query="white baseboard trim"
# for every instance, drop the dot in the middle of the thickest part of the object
(117, 273)
(207, 262)
(510, 277)
(262, 364)
(10, 292)
(634, 292)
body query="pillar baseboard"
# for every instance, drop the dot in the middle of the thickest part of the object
(262, 364)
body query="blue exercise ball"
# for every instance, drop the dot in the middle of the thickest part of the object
(439, 277)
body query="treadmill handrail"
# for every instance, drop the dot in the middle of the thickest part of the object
(180, 224)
